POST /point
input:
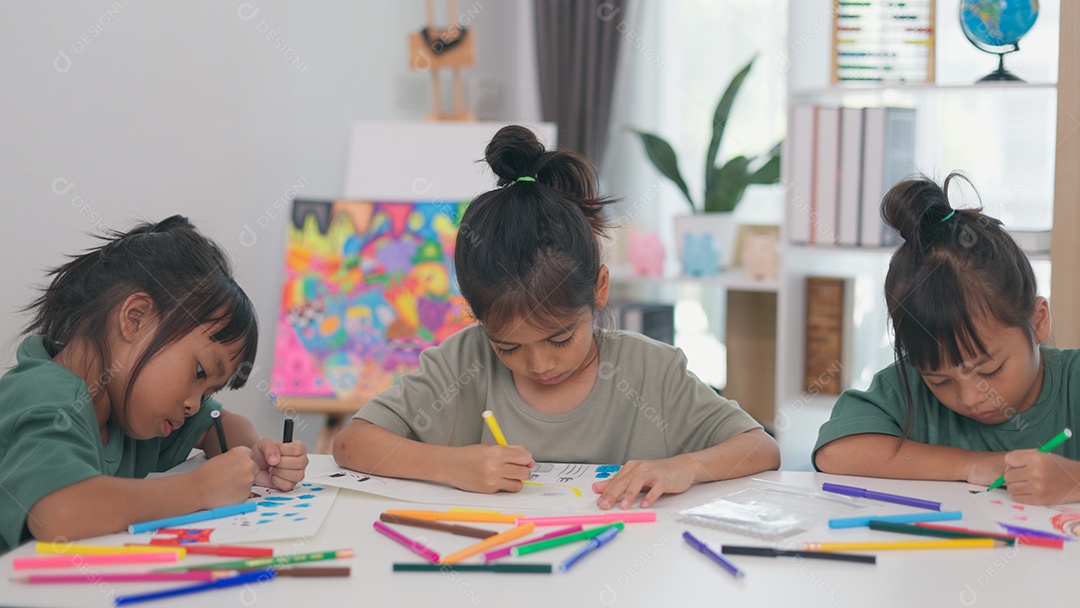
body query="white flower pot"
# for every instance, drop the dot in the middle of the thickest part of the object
(721, 227)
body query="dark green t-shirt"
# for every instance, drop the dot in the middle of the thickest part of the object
(49, 438)
(881, 409)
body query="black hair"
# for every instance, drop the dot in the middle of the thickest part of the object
(186, 275)
(956, 267)
(530, 249)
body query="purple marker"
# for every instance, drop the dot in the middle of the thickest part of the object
(864, 493)
(1022, 531)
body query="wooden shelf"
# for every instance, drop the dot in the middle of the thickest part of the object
(733, 280)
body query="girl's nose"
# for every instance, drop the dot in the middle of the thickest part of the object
(971, 392)
(192, 405)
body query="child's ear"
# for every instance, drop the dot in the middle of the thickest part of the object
(602, 283)
(136, 316)
(1040, 320)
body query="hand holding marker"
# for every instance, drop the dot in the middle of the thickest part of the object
(1058, 439)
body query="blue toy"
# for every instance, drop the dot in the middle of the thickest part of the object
(701, 256)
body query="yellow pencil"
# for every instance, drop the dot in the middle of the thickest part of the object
(491, 518)
(50, 548)
(488, 543)
(489, 418)
(965, 543)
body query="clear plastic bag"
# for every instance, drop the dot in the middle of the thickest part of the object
(770, 510)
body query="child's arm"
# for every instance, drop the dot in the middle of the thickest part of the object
(281, 465)
(876, 455)
(103, 504)
(1038, 478)
(743, 454)
(369, 448)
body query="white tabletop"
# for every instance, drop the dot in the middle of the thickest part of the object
(646, 565)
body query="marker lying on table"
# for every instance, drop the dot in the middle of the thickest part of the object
(500, 568)
(1058, 439)
(963, 543)
(166, 577)
(907, 518)
(48, 548)
(430, 524)
(565, 539)
(887, 526)
(219, 550)
(266, 562)
(601, 539)
(502, 552)
(452, 515)
(700, 545)
(494, 541)
(598, 518)
(157, 524)
(873, 495)
(412, 545)
(77, 560)
(1024, 531)
(221, 583)
(770, 552)
(1020, 538)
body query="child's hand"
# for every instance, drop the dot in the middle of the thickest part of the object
(669, 476)
(985, 467)
(281, 465)
(226, 478)
(1038, 478)
(490, 468)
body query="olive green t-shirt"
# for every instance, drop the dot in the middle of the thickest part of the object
(645, 404)
(49, 437)
(880, 409)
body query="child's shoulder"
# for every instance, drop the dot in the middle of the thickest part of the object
(628, 346)
(36, 380)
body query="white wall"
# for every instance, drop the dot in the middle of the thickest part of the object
(111, 112)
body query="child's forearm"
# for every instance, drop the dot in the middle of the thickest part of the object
(744, 454)
(367, 447)
(876, 455)
(104, 505)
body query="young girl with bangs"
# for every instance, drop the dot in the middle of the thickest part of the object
(528, 263)
(127, 346)
(973, 391)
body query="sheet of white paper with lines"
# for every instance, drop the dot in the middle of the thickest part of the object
(553, 485)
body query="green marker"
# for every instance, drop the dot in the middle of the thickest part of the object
(504, 568)
(1058, 439)
(266, 562)
(564, 540)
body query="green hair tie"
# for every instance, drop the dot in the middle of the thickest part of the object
(526, 179)
(946, 218)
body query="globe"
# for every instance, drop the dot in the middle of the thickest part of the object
(996, 26)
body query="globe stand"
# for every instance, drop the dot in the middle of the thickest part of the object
(1000, 74)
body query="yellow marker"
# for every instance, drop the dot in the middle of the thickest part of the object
(49, 548)
(489, 418)
(487, 543)
(967, 543)
(491, 518)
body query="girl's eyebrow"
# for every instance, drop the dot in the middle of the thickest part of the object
(554, 335)
(980, 361)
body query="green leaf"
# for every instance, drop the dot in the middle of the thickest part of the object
(769, 173)
(663, 158)
(720, 118)
(728, 184)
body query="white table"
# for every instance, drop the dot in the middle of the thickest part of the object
(646, 565)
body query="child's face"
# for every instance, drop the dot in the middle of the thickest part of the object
(543, 356)
(173, 384)
(992, 388)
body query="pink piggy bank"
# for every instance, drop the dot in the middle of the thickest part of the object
(646, 253)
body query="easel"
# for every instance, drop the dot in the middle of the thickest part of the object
(461, 55)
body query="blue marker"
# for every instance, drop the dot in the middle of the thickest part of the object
(172, 522)
(907, 518)
(594, 544)
(700, 545)
(231, 581)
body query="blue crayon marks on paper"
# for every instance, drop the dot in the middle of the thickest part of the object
(306, 497)
(605, 471)
(290, 515)
(316, 489)
(603, 475)
(264, 521)
(270, 505)
(279, 498)
(302, 505)
(305, 485)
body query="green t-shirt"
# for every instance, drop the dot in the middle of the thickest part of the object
(645, 404)
(49, 438)
(881, 409)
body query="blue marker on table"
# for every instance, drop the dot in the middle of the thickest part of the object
(179, 520)
(907, 518)
(601, 539)
(221, 583)
(700, 545)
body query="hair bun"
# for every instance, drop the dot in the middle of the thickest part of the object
(916, 207)
(514, 152)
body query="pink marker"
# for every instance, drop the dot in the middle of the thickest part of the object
(491, 556)
(628, 517)
(123, 577)
(77, 560)
(410, 544)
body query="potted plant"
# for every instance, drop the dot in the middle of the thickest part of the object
(724, 184)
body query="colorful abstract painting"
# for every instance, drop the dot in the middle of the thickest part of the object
(367, 286)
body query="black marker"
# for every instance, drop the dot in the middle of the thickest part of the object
(216, 415)
(286, 436)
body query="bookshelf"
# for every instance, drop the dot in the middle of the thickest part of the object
(1011, 139)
